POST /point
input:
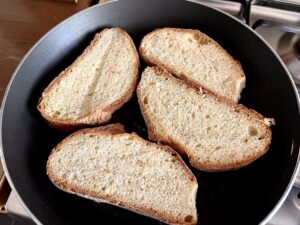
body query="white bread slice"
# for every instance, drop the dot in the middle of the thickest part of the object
(214, 133)
(108, 165)
(95, 85)
(192, 55)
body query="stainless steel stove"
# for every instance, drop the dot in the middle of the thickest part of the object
(278, 22)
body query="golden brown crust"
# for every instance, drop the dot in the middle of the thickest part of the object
(98, 116)
(228, 167)
(151, 61)
(154, 136)
(115, 129)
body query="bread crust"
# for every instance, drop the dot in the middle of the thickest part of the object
(97, 116)
(151, 61)
(115, 129)
(154, 136)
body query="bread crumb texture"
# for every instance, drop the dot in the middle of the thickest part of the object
(192, 55)
(214, 133)
(126, 170)
(98, 81)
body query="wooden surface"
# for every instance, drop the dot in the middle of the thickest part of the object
(22, 23)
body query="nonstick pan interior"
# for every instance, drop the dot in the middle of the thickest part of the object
(245, 196)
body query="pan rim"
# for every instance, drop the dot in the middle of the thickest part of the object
(32, 216)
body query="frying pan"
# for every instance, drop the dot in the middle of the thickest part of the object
(247, 196)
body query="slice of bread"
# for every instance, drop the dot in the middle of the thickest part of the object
(214, 133)
(95, 85)
(108, 165)
(192, 55)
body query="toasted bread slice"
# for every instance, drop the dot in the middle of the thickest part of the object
(108, 165)
(194, 56)
(95, 85)
(215, 133)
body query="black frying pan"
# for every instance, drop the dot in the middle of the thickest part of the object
(247, 196)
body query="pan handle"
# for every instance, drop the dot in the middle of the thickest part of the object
(267, 23)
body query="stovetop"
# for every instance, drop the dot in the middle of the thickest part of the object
(278, 22)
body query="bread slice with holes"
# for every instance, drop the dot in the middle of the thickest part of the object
(214, 133)
(192, 55)
(95, 85)
(108, 165)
